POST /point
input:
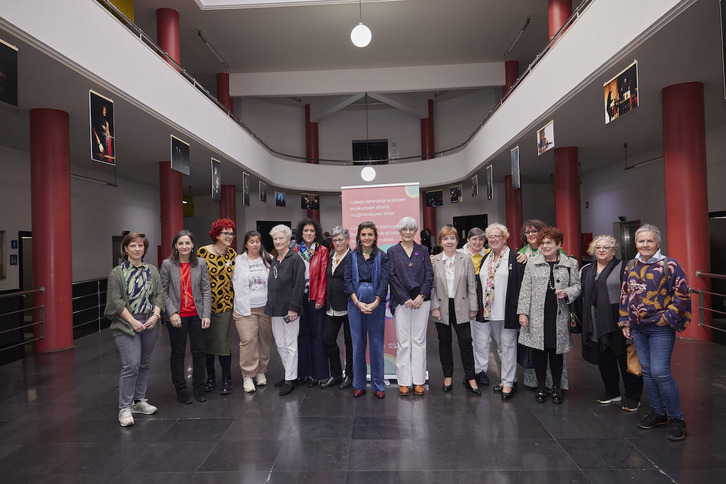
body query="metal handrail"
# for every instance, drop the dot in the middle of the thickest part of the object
(29, 292)
(149, 42)
(701, 300)
(40, 323)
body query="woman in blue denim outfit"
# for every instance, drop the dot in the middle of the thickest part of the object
(366, 285)
(655, 302)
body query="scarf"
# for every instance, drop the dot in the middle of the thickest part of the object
(489, 287)
(307, 253)
(596, 332)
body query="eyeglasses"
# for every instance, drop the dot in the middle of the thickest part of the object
(600, 249)
(494, 237)
(227, 234)
(408, 229)
(338, 241)
(531, 232)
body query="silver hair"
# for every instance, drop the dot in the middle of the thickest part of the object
(475, 232)
(407, 223)
(609, 238)
(281, 228)
(340, 230)
(496, 226)
(649, 228)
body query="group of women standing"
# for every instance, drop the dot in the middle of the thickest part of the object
(303, 296)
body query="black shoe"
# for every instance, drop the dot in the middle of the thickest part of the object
(630, 405)
(541, 395)
(210, 384)
(332, 381)
(482, 378)
(199, 395)
(278, 384)
(226, 386)
(556, 395)
(302, 381)
(287, 388)
(507, 396)
(183, 397)
(312, 382)
(676, 429)
(473, 390)
(652, 420)
(347, 382)
(500, 388)
(606, 399)
(448, 388)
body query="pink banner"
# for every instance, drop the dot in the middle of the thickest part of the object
(384, 205)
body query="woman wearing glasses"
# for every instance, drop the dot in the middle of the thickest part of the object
(603, 342)
(411, 277)
(220, 256)
(337, 313)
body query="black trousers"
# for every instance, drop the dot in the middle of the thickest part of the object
(178, 342)
(539, 359)
(463, 336)
(611, 367)
(330, 342)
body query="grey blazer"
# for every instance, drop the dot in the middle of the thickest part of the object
(464, 284)
(201, 289)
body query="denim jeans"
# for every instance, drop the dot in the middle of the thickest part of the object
(135, 354)
(655, 346)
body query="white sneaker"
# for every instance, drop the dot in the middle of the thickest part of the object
(143, 406)
(125, 418)
(249, 385)
(261, 379)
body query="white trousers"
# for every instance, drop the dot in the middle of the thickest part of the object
(411, 344)
(508, 356)
(286, 340)
(481, 338)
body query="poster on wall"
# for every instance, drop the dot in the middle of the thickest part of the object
(455, 193)
(514, 154)
(8, 74)
(310, 201)
(179, 155)
(262, 187)
(279, 199)
(216, 180)
(245, 189)
(384, 205)
(621, 93)
(434, 198)
(490, 182)
(722, 4)
(546, 138)
(475, 186)
(101, 121)
(2, 254)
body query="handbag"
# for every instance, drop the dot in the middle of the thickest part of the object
(574, 322)
(633, 361)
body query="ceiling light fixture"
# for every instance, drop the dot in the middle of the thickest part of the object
(368, 173)
(360, 35)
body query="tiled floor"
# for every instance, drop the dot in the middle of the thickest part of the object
(58, 423)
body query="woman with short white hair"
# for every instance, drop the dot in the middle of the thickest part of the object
(285, 289)
(411, 277)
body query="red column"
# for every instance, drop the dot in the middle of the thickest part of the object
(686, 188)
(511, 74)
(223, 91)
(50, 188)
(311, 151)
(427, 150)
(172, 209)
(228, 206)
(567, 199)
(513, 203)
(559, 12)
(167, 32)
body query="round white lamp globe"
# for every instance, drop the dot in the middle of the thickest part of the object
(360, 35)
(368, 173)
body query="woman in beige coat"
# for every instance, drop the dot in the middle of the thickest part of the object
(453, 303)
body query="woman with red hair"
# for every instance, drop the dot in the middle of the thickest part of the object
(220, 256)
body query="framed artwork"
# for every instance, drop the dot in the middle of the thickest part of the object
(179, 155)
(475, 186)
(310, 201)
(514, 154)
(546, 138)
(245, 189)
(2, 254)
(216, 180)
(8, 74)
(455, 193)
(621, 93)
(434, 198)
(280, 199)
(102, 128)
(263, 192)
(490, 182)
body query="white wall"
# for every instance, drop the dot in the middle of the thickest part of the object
(281, 127)
(98, 212)
(455, 119)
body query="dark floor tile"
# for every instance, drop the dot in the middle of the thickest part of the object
(271, 477)
(208, 429)
(173, 456)
(531, 454)
(247, 456)
(155, 478)
(687, 475)
(330, 454)
(692, 453)
(597, 453)
(382, 428)
(562, 424)
(610, 476)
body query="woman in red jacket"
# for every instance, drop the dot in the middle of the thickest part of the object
(312, 360)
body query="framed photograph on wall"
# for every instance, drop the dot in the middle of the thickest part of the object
(434, 198)
(262, 187)
(245, 189)
(8, 74)
(455, 193)
(621, 93)
(475, 186)
(2, 254)
(490, 182)
(216, 180)
(102, 128)
(546, 138)
(310, 201)
(180, 156)
(280, 199)
(514, 154)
